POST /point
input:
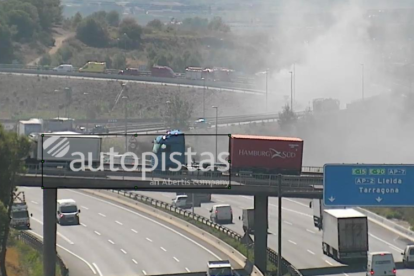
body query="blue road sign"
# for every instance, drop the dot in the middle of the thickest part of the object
(368, 185)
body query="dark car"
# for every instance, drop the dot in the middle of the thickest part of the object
(99, 129)
(130, 72)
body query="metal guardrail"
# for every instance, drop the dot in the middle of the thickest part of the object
(387, 222)
(272, 255)
(217, 85)
(37, 244)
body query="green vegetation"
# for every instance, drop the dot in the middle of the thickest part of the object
(12, 150)
(30, 261)
(26, 22)
(242, 248)
(103, 36)
(405, 214)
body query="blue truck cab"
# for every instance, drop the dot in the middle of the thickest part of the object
(171, 142)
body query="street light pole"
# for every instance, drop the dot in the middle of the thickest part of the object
(362, 75)
(204, 97)
(216, 107)
(126, 123)
(291, 91)
(267, 71)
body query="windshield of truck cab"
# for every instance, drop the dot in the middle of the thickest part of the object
(225, 271)
(20, 214)
(68, 209)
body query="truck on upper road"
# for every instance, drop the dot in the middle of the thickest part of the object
(162, 72)
(266, 154)
(20, 212)
(30, 126)
(219, 268)
(57, 149)
(345, 235)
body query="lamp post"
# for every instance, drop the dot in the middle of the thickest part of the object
(204, 97)
(291, 91)
(267, 71)
(125, 98)
(362, 80)
(87, 119)
(57, 91)
(216, 107)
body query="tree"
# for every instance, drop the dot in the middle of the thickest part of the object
(93, 33)
(113, 18)
(119, 61)
(131, 28)
(6, 46)
(13, 149)
(155, 24)
(218, 25)
(287, 118)
(179, 113)
(76, 20)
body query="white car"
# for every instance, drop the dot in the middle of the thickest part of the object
(221, 213)
(180, 201)
(64, 68)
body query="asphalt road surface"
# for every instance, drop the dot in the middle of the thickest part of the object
(116, 240)
(302, 242)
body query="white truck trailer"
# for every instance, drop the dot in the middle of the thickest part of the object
(30, 126)
(345, 235)
(61, 148)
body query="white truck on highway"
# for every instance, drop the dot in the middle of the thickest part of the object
(345, 235)
(30, 126)
(318, 208)
(219, 268)
(60, 148)
(19, 212)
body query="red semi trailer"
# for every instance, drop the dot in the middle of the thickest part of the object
(266, 154)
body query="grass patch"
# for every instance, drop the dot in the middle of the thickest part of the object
(242, 248)
(23, 260)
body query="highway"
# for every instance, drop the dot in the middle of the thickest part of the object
(301, 240)
(116, 240)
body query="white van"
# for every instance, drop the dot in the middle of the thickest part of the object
(408, 256)
(64, 68)
(221, 213)
(381, 264)
(67, 212)
(180, 201)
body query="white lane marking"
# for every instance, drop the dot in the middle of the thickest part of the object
(34, 202)
(310, 231)
(154, 221)
(70, 252)
(97, 233)
(120, 223)
(134, 261)
(293, 211)
(292, 242)
(177, 260)
(149, 240)
(123, 251)
(163, 249)
(86, 208)
(97, 269)
(58, 233)
(133, 230)
(328, 262)
(102, 215)
(145, 273)
(310, 252)
(287, 222)
(345, 274)
(83, 224)
(187, 270)
(111, 241)
(387, 243)
(297, 202)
